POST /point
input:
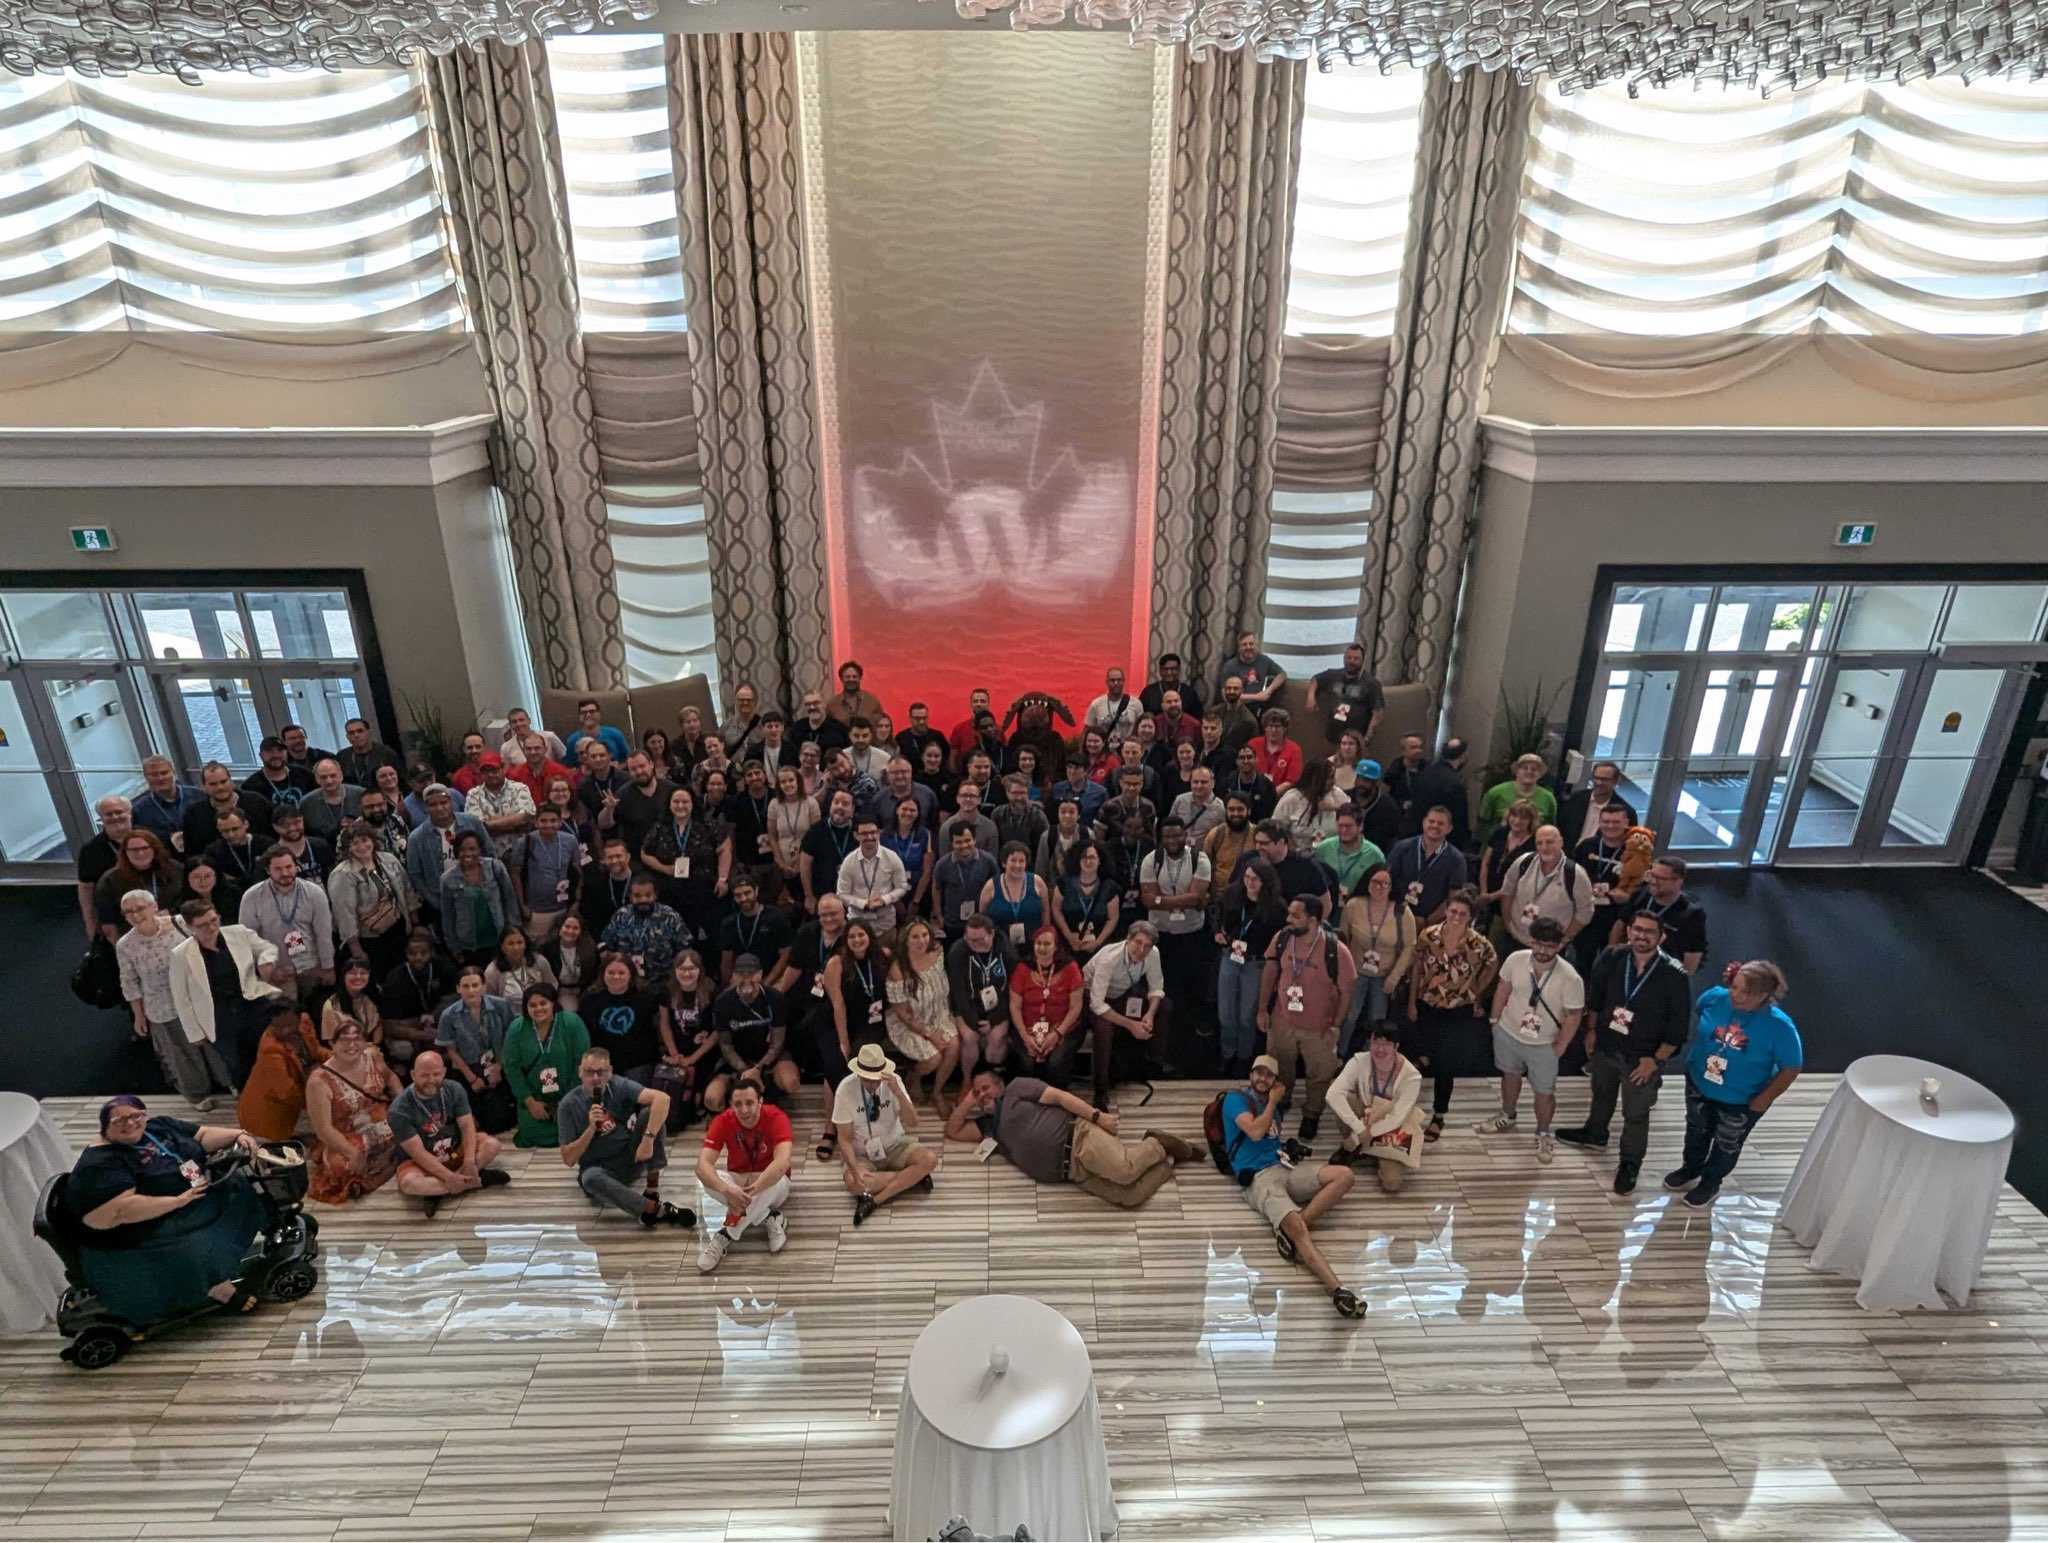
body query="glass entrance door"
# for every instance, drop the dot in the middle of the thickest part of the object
(1894, 767)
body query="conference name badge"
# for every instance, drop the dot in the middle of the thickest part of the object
(1237, 952)
(1414, 891)
(1134, 1007)
(682, 867)
(818, 987)
(1017, 933)
(1371, 962)
(1295, 1004)
(874, 1012)
(1716, 1069)
(988, 998)
(1620, 1019)
(550, 1080)
(191, 1173)
(1343, 713)
(561, 892)
(1602, 893)
(1531, 1024)
(1528, 913)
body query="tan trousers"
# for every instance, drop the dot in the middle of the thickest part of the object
(1315, 1046)
(1123, 1175)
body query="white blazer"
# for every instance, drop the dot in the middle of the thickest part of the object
(190, 992)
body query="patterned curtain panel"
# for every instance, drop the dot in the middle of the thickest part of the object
(1237, 131)
(733, 108)
(494, 129)
(1461, 249)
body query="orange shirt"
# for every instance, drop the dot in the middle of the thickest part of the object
(274, 1096)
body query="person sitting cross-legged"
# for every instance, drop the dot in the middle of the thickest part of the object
(1377, 1098)
(444, 1153)
(876, 1120)
(1291, 1196)
(610, 1129)
(755, 1139)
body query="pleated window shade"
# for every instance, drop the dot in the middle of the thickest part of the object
(612, 111)
(1859, 210)
(1358, 142)
(282, 203)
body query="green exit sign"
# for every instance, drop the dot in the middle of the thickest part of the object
(92, 538)
(1855, 535)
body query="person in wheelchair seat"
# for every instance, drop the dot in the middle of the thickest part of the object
(158, 1235)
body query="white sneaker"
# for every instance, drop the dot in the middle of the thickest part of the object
(777, 1228)
(1546, 1146)
(715, 1245)
(1495, 1125)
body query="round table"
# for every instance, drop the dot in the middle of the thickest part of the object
(31, 1278)
(1900, 1192)
(1000, 1447)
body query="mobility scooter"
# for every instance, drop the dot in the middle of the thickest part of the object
(282, 1264)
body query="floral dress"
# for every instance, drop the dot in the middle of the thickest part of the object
(359, 1112)
(931, 1012)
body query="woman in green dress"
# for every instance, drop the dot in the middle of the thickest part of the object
(542, 1052)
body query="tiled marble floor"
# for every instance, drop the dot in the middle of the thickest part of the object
(1542, 1360)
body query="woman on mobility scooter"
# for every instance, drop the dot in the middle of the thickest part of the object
(158, 1220)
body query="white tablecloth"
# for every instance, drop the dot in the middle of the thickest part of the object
(1898, 1193)
(1024, 1446)
(31, 1279)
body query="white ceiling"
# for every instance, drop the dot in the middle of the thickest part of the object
(818, 16)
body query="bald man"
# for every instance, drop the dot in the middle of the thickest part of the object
(445, 1154)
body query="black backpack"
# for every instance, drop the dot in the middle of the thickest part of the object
(97, 980)
(1219, 1138)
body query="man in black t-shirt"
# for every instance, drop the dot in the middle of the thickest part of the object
(1348, 698)
(1638, 1008)
(96, 859)
(748, 1019)
(605, 885)
(643, 802)
(277, 779)
(1600, 855)
(753, 928)
(1683, 918)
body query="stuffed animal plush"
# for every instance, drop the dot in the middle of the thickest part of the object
(1638, 851)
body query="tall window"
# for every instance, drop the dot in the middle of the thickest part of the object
(1358, 141)
(254, 203)
(1844, 208)
(611, 105)
(611, 101)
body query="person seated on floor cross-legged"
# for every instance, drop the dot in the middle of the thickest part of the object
(755, 1139)
(611, 1134)
(1278, 1184)
(444, 1153)
(876, 1121)
(1056, 1138)
(1377, 1098)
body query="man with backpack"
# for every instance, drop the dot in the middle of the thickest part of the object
(1303, 992)
(1546, 882)
(1275, 1178)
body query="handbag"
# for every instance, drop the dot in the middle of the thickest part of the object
(97, 980)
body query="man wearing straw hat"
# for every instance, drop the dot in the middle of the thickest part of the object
(876, 1119)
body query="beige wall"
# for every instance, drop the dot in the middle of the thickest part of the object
(427, 555)
(1539, 545)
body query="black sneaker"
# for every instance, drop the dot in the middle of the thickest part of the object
(1703, 1196)
(430, 1206)
(863, 1208)
(1681, 1178)
(666, 1215)
(1577, 1137)
(1624, 1176)
(924, 1184)
(491, 1178)
(1310, 1126)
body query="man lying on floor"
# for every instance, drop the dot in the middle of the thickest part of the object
(1057, 1138)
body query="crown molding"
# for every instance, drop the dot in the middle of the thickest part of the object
(417, 455)
(1533, 452)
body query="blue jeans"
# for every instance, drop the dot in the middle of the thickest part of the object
(1369, 1005)
(1237, 1008)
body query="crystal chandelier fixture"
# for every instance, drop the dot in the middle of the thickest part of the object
(187, 38)
(1756, 44)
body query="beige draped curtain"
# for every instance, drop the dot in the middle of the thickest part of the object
(1237, 129)
(1683, 241)
(736, 135)
(500, 160)
(1454, 280)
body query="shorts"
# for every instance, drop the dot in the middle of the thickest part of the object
(1538, 1063)
(1276, 1193)
(896, 1159)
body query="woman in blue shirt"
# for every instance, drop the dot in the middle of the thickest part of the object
(1744, 1053)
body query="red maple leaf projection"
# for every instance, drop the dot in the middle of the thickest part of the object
(1023, 556)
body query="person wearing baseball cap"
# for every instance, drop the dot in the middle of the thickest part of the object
(1291, 1195)
(876, 1120)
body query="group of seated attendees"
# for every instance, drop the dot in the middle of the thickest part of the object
(580, 943)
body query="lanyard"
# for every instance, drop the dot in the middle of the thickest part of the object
(1087, 899)
(1296, 961)
(168, 1155)
(840, 844)
(1538, 987)
(985, 966)
(760, 810)
(291, 918)
(422, 989)
(1183, 865)
(1545, 880)
(619, 889)
(870, 870)
(244, 862)
(1373, 927)
(1016, 903)
(1385, 1089)
(866, 971)
(747, 937)
(1631, 983)
(1429, 860)
(682, 838)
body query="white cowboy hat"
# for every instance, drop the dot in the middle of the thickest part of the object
(872, 1063)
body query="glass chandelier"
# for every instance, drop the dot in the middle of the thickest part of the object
(1766, 44)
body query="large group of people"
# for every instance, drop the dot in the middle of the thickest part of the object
(575, 942)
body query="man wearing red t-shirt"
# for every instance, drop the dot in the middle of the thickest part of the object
(1275, 754)
(756, 1140)
(966, 735)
